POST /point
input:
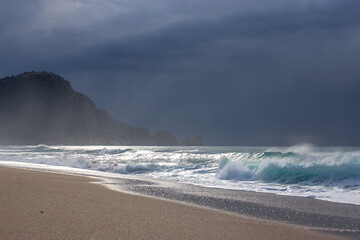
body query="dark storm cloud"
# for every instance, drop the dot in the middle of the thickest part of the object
(247, 74)
(190, 39)
(10, 15)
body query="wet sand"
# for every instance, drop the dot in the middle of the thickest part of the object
(336, 218)
(39, 205)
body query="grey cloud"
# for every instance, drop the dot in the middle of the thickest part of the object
(14, 13)
(189, 38)
(269, 76)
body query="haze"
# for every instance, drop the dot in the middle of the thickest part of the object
(278, 72)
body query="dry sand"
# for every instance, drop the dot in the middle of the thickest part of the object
(38, 205)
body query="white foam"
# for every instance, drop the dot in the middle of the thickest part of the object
(261, 169)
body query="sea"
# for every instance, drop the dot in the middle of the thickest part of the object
(326, 173)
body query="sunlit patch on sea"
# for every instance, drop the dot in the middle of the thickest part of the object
(331, 174)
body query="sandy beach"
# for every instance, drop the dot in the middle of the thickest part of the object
(38, 205)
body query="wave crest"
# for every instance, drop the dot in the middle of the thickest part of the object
(309, 168)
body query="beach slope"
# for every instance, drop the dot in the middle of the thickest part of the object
(38, 205)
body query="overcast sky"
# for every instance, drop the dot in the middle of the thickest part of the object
(235, 72)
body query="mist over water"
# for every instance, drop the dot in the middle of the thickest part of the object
(323, 173)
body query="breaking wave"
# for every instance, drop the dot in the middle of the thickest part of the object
(340, 169)
(324, 173)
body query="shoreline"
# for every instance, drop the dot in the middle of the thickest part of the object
(342, 219)
(45, 205)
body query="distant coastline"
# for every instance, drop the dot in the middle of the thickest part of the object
(42, 108)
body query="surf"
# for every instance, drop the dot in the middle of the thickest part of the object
(323, 173)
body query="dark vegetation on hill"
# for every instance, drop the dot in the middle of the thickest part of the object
(42, 108)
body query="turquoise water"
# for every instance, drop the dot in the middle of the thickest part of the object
(324, 173)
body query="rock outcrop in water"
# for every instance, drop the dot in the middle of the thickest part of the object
(41, 107)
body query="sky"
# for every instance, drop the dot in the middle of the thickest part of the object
(235, 72)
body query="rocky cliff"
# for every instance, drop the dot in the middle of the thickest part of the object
(42, 108)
